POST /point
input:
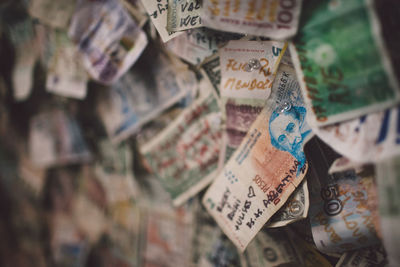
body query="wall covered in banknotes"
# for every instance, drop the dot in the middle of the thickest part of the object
(210, 133)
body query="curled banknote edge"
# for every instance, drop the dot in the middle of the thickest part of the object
(106, 59)
(342, 206)
(295, 209)
(370, 138)
(266, 168)
(338, 84)
(275, 19)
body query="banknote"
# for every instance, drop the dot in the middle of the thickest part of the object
(344, 164)
(310, 256)
(106, 59)
(337, 83)
(210, 246)
(271, 247)
(244, 91)
(115, 172)
(296, 208)
(56, 139)
(275, 19)
(66, 75)
(168, 236)
(184, 15)
(211, 70)
(136, 8)
(388, 180)
(21, 33)
(55, 13)
(373, 256)
(184, 156)
(265, 169)
(196, 45)
(370, 138)
(140, 96)
(158, 12)
(342, 205)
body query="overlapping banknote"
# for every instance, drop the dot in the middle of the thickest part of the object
(266, 168)
(158, 12)
(184, 156)
(275, 19)
(342, 205)
(388, 180)
(368, 139)
(56, 13)
(108, 39)
(342, 62)
(139, 97)
(183, 15)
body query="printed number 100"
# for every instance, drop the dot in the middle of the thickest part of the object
(285, 17)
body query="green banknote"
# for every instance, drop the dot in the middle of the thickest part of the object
(342, 62)
(185, 155)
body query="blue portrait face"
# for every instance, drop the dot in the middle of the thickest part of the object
(286, 131)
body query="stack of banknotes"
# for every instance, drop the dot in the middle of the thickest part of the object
(199, 133)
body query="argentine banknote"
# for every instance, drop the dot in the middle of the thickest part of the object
(107, 38)
(183, 15)
(370, 138)
(184, 156)
(55, 13)
(56, 139)
(265, 169)
(211, 70)
(373, 256)
(342, 205)
(248, 70)
(338, 83)
(158, 12)
(275, 19)
(388, 180)
(139, 97)
(66, 75)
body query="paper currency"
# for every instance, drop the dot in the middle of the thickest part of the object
(197, 44)
(108, 40)
(56, 13)
(265, 169)
(310, 256)
(55, 139)
(296, 208)
(168, 237)
(342, 205)
(388, 180)
(370, 138)
(211, 70)
(183, 15)
(185, 155)
(21, 33)
(271, 247)
(344, 164)
(158, 12)
(337, 83)
(66, 75)
(374, 256)
(248, 70)
(274, 19)
(139, 97)
(115, 172)
(210, 246)
(136, 8)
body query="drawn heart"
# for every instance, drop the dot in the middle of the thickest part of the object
(251, 192)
